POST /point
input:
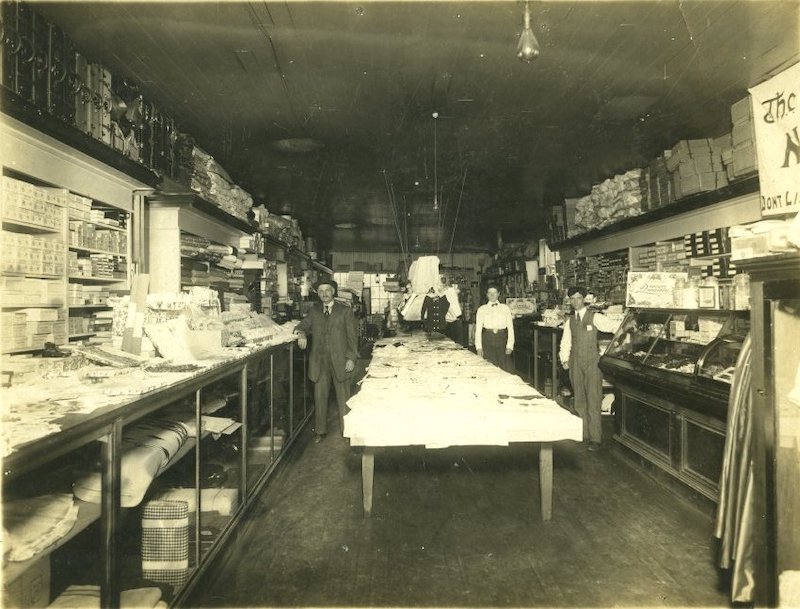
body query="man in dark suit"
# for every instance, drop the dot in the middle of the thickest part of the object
(333, 353)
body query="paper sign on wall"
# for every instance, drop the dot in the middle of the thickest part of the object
(776, 112)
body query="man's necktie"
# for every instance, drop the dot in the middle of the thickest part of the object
(328, 311)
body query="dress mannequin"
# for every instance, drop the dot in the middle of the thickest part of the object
(434, 309)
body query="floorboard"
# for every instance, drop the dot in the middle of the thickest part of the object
(461, 527)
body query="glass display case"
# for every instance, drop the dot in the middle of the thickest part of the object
(672, 370)
(692, 343)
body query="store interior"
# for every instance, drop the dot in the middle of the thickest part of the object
(179, 179)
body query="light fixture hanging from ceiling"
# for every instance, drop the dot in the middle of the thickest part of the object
(435, 177)
(527, 47)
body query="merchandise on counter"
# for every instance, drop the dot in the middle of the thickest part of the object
(110, 356)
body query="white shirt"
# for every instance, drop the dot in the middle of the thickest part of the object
(600, 321)
(494, 316)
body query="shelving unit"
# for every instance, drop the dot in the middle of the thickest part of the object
(40, 205)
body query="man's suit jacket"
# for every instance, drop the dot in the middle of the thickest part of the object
(333, 337)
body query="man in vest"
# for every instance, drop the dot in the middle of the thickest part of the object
(333, 353)
(579, 353)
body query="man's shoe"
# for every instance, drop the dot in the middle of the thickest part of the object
(318, 438)
(593, 447)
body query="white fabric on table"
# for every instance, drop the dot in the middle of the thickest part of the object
(437, 394)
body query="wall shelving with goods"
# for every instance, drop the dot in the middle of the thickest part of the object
(168, 216)
(70, 238)
(737, 203)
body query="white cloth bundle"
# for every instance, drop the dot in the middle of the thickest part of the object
(33, 524)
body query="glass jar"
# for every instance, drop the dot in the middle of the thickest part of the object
(741, 291)
(690, 294)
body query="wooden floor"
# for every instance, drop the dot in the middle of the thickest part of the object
(461, 527)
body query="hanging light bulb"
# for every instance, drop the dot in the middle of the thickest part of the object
(527, 47)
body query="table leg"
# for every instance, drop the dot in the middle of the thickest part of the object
(367, 475)
(536, 359)
(546, 479)
(554, 366)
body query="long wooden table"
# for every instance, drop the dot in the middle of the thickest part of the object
(435, 393)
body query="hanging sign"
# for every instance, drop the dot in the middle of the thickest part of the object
(776, 112)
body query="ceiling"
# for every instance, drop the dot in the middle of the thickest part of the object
(324, 110)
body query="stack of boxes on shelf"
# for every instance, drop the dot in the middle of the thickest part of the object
(689, 167)
(604, 274)
(743, 153)
(32, 255)
(92, 295)
(32, 328)
(706, 253)
(198, 170)
(696, 166)
(659, 184)
(30, 204)
(714, 248)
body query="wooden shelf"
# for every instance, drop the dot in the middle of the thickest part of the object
(30, 275)
(89, 306)
(33, 306)
(89, 250)
(100, 224)
(191, 200)
(30, 226)
(80, 279)
(79, 336)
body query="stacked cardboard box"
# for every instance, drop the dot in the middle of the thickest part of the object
(31, 328)
(30, 204)
(659, 183)
(31, 254)
(694, 165)
(744, 157)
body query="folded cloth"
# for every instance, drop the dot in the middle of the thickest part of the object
(33, 524)
(88, 597)
(222, 500)
(147, 449)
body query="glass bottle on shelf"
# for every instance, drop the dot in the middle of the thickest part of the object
(690, 294)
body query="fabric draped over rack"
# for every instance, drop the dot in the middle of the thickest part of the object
(736, 513)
